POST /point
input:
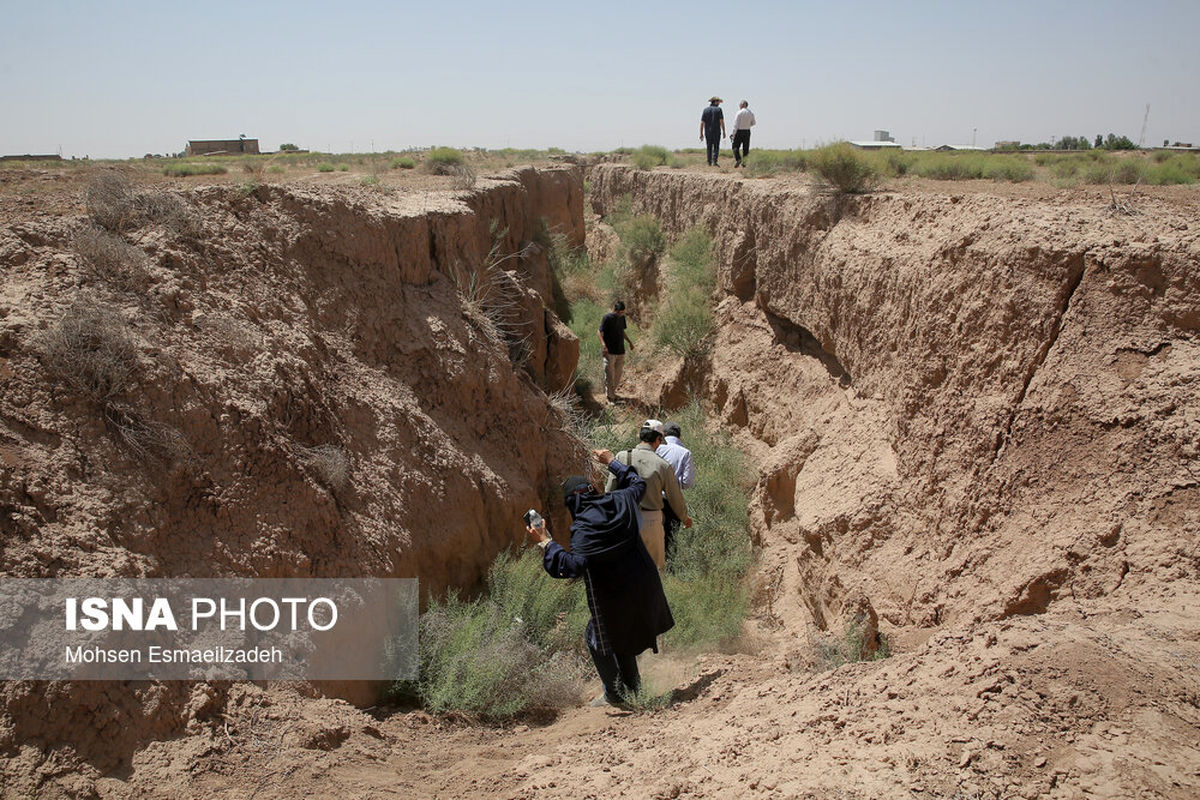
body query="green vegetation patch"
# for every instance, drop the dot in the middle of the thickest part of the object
(1175, 169)
(515, 648)
(187, 168)
(764, 163)
(642, 237)
(642, 242)
(970, 166)
(845, 169)
(649, 156)
(684, 322)
(705, 582)
(585, 322)
(446, 156)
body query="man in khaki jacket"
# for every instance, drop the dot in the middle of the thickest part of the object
(660, 480)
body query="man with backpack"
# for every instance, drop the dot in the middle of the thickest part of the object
(662, 488)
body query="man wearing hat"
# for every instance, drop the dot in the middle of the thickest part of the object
(712, 128)
(662, 487)
(624, 591)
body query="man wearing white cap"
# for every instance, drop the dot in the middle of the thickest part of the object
(661, 486)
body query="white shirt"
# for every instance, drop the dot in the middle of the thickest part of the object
(744, 120)
(680, 459)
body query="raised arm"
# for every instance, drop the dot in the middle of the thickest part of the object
(559, 563)
(627, 480)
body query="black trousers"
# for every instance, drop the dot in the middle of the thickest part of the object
(671, 525)
(618, 673)
(741, 138)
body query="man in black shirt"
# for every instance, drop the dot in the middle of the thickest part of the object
(712, 128)
(612, 344)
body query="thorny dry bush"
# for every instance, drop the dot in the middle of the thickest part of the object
(330, 464)
(144, 438)
(110, 201)
(172, 212)
(575, 419)
(464, 176)
(111, 258)
(90, 350)
(1125, 206)
(492, 298)
(114, 205)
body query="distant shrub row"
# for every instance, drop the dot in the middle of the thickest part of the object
(184, 169)
(1162, 169)
(850, 170)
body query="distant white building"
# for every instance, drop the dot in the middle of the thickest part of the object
(883, 141)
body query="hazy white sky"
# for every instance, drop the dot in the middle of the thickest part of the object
(120, 79)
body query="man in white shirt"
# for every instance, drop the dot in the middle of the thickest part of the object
(741, 133)
(680, 458)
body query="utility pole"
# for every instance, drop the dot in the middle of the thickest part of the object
(1145, 119)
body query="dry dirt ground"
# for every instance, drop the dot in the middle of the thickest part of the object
(972, 409)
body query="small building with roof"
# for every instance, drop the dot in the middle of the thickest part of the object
(222, 147)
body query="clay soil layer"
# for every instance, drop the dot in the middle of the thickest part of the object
(974, 419)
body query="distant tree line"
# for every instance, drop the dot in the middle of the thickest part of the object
(1101, 142)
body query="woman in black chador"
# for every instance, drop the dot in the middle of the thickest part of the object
(624, 592)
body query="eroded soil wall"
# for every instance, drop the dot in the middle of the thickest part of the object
(965, 405)
(318, 386)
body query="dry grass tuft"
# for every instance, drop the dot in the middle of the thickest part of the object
(575, 419)
(91, 351)
(494, 299)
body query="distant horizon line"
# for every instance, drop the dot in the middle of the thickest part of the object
(860, 144)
